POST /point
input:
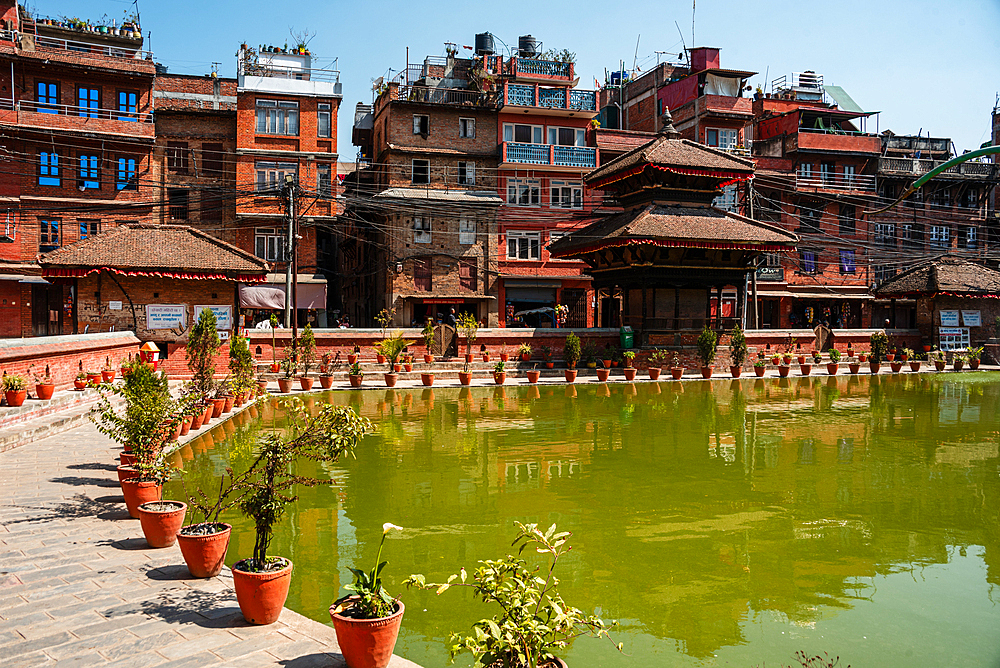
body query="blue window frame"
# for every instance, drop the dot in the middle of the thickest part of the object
(809, 262)
(89, 228)
(847, 264)
(89, 173)
(89, 101)
(48, 169)
(48, 235)
(126, 175)
(128, 105)
(47, 97)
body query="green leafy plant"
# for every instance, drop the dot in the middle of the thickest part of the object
(589, 352)
(524, 349)
(392, 347)
(288, 364)
(758, 363)
(384, 319)
(546, 352)
(469, 327)
(428, 334)
(571, 350)
(368, 598)
(629, 356)
(834, 355)
(879, 344)
(907, 352)
(355, 370)
(534, 621)
(323, 438)
(232, 487)
(499, 367)
(13, 382)
(307, 349)
(273, 320)
(975, 353)
(737, 347)
(658, 358)
(202, 346)
(240, 364)
(707, 343)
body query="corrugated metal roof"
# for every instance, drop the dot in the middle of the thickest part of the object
(471, 196)
(843, 100)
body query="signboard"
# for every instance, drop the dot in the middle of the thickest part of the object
(953, 338)
(770, 274)
(223, 315)
(949, 318)
(166, 316)
(115, 306)
(971, 319)
(443, 301)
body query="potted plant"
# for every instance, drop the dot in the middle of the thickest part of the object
(805, 369)
(352, 357)
(603, 373)
(80, 382)
(484, 353)
(469, 326)
(785, 367)
(533, 620)
(817, 358)
(427, 378)
(878, 342)
(895, 365)
(547, 357)
(14, 389)
(202, 347)
(44, 385)
(834, 365)
(504, 355)
(160, 522)
(307, 355)
(629, 370)
(326, 372)
(261, 581)
(737, 351)
(533, 375)
(862, 356)
(657, 359)
(939, 359)
(906, 354)
(676, 370)
(958, 361)
(392, 347)
(854, 366)
(759, 367)
(108, 373)
(571, 355)
(288, 368)
(465, 376)
(273, 321)
(367, 620)
(428, 334)
(914, 365)
(94, 378)
(707, 342)
(973, 356)
(384, 319)
(241, 366)
(355, 375)
(524, 352)
(499, 373)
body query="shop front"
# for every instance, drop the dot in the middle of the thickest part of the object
(260, 301)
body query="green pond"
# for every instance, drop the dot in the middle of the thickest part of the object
(723, 523)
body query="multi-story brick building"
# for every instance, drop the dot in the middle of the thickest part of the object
(77, 124)
(425, 203)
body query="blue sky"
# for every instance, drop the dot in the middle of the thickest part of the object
(931, 66)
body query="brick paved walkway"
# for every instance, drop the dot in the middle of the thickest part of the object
(80, 587)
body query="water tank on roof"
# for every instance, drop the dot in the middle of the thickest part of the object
(484, 44)
(809, 79)
(160, 68)
(527, 46)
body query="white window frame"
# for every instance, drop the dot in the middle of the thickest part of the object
(524, 189)
(521, 242)
(413, 171)
(537, 133)
(850, 172)
(324, 179)
(421, 230)
(269, 244)
(884, 233)
(466, 173)
(323, 112)
(418, 125)
(971, 237)
(271, 175)
(467, 128)
(552, 135)
(727, 200)
(940, 236)
(466, 230)
(565, 195)
(726, 138)
(277, 117)
(805, 170)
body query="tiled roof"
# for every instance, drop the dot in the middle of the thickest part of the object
(673, 225)
(682, 153)
(470, 196)
(944, 274)
(155, 248)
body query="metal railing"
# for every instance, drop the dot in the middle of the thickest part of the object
(519, 95)
(554, 98)
(575, 156)
(837, 131)
(523, 96)
(532, 154)
(90, 48)
(548, 154)
(808, 80)
(917, 166)
(550, 68)
(83, 112)
(458, 96)
(835, 181)
(298, 73)
(584, 100)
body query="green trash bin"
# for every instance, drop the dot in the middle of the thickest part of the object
(625, 334)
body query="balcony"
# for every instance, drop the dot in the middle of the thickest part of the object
(284, 73)
(538, 70)
(549, 155)
(449, 96)
(72, 117)
(917, 167)
(849, 182)
(547, 100)
(837, 141)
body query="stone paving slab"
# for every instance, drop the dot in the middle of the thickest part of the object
(80, 587)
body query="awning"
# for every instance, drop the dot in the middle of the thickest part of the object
(12, 277)
(843, 100)
(310, 292)
(34, 279)
(810, 295)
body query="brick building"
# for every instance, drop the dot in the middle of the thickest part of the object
(76, 115)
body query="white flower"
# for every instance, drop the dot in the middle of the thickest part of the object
(389, 526)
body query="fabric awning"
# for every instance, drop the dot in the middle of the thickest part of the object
(272, 296)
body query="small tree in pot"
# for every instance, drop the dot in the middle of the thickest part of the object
(240, 367)
(737, 351)
(428, 334)
(261, 581)
(707, 344)
(307, 355)
(204, 544)
(571, 355)
(202, 346)
(469, 327)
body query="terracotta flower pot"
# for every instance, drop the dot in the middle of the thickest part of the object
(261, 596)
(760, 371)
(525, 357)
(186, 425)
(468, 359)
(801, 359)
(895, 366)
(504, 357)
(352, 358)
(80, 384)
(366, 643)
(44, 391)
(205, 555)
(570, 375)
(914, 365)
(275, 368)
(736, 371)
(464, 378)
(380, 359)
(217, 405)
(408, 366)
(227, 405)
(15, 397)
(957, 365)
(285, 385)
(676, 372)
(787, 359)
(862, 358)
(890, 357)
(874, 367)
(262, 386)
(533, 375)
(125, 471)
(550, 365)
(396, 368)
(160, 524)
(706, 372)
(832, 368)
(326, 381)
(94, 378)
(486, 357)
(137, 493)
(427, 379)
(940, 365)
(390, 379)
(783, 370)
(602, 374)
(974, 364)
(855, 367)
(654, 372)
(355, 380)
(805, 369)
(904, 357)
(428, 359)
(306, 383)
(500, 378)
(629, 373)
(108, 375)
(127, 460)
(607, 364)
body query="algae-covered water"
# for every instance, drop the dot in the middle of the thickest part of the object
(723, 523)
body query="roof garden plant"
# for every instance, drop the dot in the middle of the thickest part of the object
(879, 344)
(392, 347)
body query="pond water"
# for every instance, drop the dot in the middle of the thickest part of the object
(722, 523)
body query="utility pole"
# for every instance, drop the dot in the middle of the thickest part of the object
(289, 249)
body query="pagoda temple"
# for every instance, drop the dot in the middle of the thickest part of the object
(668, 258)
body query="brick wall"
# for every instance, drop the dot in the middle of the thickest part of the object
(64, 353)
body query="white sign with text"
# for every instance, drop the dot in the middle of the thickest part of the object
(166, 316)
(223, 315)
(949, 318)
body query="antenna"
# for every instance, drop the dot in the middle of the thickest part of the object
(683, 44)
(636, 56)
(693, 5)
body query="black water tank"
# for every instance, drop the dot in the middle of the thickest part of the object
(484, 44)
(160, 68)
(527, 46)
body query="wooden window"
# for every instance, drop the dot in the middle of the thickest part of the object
(422, 274)
(47, 97)
(89, 174)
(212, 160)
(89, 102)
(177, 157)
(178, 203)
(48, 234)
(466, 173)
(421, 124)
(421, 172)
(89, 228)
(467, 270)
(48, 169)
(126, 176)
(421, 230)
(323, 125)
(128, 105)
(467, 128)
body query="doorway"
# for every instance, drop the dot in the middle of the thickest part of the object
(46, 310)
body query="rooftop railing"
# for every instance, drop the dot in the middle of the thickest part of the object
(298, 73)
(548, 154)
(835, 181)
(456, 96)
(520, 95)
(89, 48)
(917, 166)
(83, 112)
